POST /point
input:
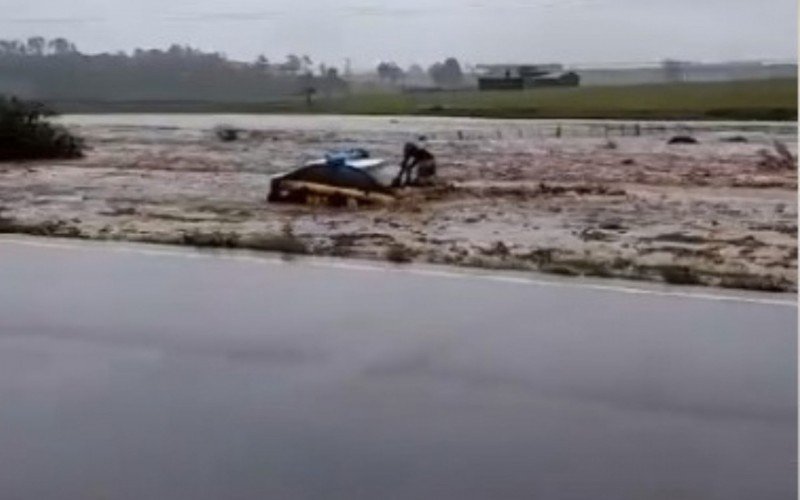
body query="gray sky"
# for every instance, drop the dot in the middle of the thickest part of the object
(569, 31)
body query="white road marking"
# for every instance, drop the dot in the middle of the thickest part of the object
(186, 253)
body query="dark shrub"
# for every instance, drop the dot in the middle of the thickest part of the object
(399, 254)
(25, 133)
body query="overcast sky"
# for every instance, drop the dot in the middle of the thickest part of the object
(569, 31)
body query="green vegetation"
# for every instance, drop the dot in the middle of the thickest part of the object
(739, 100)
(26, 135)
(769, 99)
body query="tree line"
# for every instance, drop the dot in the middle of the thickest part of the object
(56, 70)
(446, 74)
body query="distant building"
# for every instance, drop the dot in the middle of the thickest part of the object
(524, 76)
(500, 83)
(566, 79)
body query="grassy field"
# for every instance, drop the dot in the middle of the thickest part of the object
(741, 100)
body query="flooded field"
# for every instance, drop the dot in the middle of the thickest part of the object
(568, 197)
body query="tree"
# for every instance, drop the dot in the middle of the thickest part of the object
(175, 50)
(331, 82)
(416, 75)
(389, 71)
(36, 45)
(308, 87)
(14, 47)
(415, 71)
(26, 135)
(447, 74)
(262, 63)
(61, 46)
(292, 65)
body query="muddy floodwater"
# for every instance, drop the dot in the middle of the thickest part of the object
(575, 198)
(149, 373)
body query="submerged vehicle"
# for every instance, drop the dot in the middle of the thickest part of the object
(341, 178)
(356, 157)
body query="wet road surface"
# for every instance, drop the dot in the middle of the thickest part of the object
(140, 375)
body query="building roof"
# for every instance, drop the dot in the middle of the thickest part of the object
(516, 69)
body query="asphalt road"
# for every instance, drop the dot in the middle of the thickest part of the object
(138, 374)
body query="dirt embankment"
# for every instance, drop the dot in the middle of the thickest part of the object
(514, 196)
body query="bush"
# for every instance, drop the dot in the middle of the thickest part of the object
(399, 254)
(679, 275)
(26, 135)
(283, 243)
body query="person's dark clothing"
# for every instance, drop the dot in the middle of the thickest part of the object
(420, 158)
